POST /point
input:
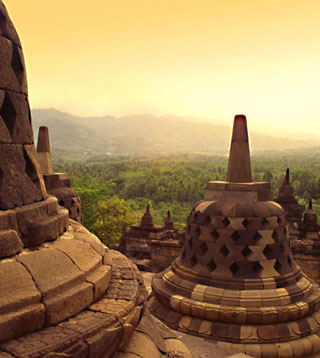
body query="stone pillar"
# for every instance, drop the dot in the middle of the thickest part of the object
(57, 184)
(239, 168)
(43, 150)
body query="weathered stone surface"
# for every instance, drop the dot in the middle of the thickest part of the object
(16, 185)
(239, 169)
(19, 286)
(62, 284)
(8, 220)
(7, 28)
(5, 136)
(66, 196)
(10, 243)
(16, 122)
(105, 342)
(81, 253)
(8, 79)
(100, 279)
(90, 239)
(21, 310)
(33, 168)
(141, 345)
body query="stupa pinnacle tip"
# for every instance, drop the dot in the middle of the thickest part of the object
(287, 179)
(43, 140)
(239, 169)
(43, 149)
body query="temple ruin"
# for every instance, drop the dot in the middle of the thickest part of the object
(236, 281)
(151, 247)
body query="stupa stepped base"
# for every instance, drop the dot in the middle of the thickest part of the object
(225, 333)
(104, 294)
(282, 328)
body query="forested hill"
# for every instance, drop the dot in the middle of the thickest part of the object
(73, 137)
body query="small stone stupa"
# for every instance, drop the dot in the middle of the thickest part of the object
(290, 204)
(309, 227)
(57, 184)
(306, 248)
(151, 247)
(236, 281)
(62, 293)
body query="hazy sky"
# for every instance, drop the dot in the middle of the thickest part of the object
(211, 58)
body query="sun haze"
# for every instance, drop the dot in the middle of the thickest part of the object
(208, 58)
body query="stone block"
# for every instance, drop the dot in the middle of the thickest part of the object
(21, 310)
(68, 303)
(18, 285)
(105, 342)
(17, 186)
(52, 205)
(174, 345)
(46, 229)
(28, 214)
(40, 343)
(62, 285)
(10, 243)
(15, 114)
(8, 79)
(33, 168)
(100, 279)
(119, 308)
(81, 253)
(6, 27)
(77, 350)
(95, 243)
(8, 220)
(21, 321)
(143, 346)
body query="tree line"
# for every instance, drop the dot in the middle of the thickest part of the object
(114, 192)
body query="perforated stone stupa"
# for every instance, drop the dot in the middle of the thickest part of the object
(292, 208)
(57, 184)
(236, 281)
(151, 247)
(306, 247)
(62, 293)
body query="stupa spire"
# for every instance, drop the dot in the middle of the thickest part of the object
(43, 149)
(147, 220)
(310, 204)
(287, 178)
(43, 140)
(239, 168)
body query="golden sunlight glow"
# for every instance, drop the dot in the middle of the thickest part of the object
(208, 58)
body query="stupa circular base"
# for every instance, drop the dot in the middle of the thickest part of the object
(277, 327)
(91, 313)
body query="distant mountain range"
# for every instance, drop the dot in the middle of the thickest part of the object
(147, 134)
